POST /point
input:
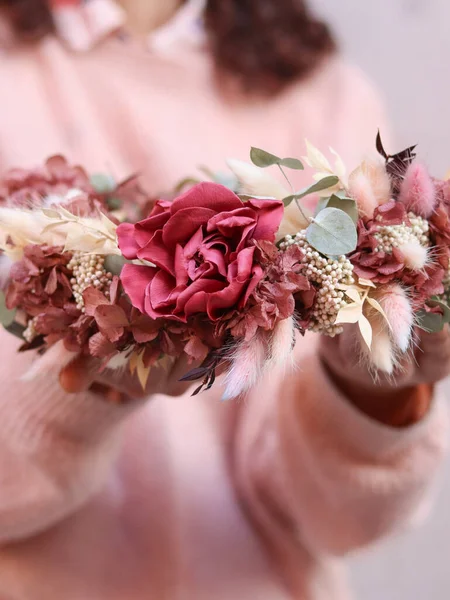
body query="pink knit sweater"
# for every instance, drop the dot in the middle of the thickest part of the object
(188, 498)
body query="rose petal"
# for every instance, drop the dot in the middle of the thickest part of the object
(126, 238)
(144, 230)
(184, 223)
(269, 213)
(135, 279)
(156, 252)
(216, 197)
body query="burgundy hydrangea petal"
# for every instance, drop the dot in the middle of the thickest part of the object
(392, 213)
(135, 279)
(214, 196)
(257, 276)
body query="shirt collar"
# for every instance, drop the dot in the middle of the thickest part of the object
(81, 24)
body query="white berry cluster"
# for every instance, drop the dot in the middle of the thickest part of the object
(393, 236)
(88, 270)
(30, 332)
(329, 274)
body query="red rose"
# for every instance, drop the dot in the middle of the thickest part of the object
(202, 246)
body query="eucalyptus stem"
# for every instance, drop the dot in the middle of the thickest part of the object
(286, 177)
(301, 210)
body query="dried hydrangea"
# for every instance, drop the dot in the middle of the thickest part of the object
(328, 275)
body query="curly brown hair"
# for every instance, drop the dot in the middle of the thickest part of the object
(263, 44)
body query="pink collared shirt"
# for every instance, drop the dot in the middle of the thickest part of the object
(187, 498)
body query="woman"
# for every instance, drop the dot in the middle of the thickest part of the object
(181, 497)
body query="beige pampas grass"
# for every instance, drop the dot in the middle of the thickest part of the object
(56, 227)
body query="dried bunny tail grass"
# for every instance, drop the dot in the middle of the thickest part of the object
(414, 254)
(247, 366)
(54, 359)
(370, 186)
(397, 307)
(282, 343)
(417, 191)
(382, 354)
(257, 181)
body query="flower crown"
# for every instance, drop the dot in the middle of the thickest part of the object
(225, 274)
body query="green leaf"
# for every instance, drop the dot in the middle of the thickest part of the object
(348, 205)
(263, 159)
(332, 232)
(321, 204)
(103, 184)
(434, 322)
(114, 203)
(291, 163)
(6, 316)
(114, 263)
(322, 184)
(429, 322)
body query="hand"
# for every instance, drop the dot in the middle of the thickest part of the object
(399, 399)
(83, 373)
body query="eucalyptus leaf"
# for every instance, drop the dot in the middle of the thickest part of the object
(436, 301)
(321, 204)
(114, 263)
(434, 322)
(103, 184)
(291, 163)
(6, 315)
(322, 184)
(348, 205)
(430, 322)
(263, 159)
(332, 232)
(114, 203)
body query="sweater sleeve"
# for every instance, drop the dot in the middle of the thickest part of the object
(55, 449)
(311, 467)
